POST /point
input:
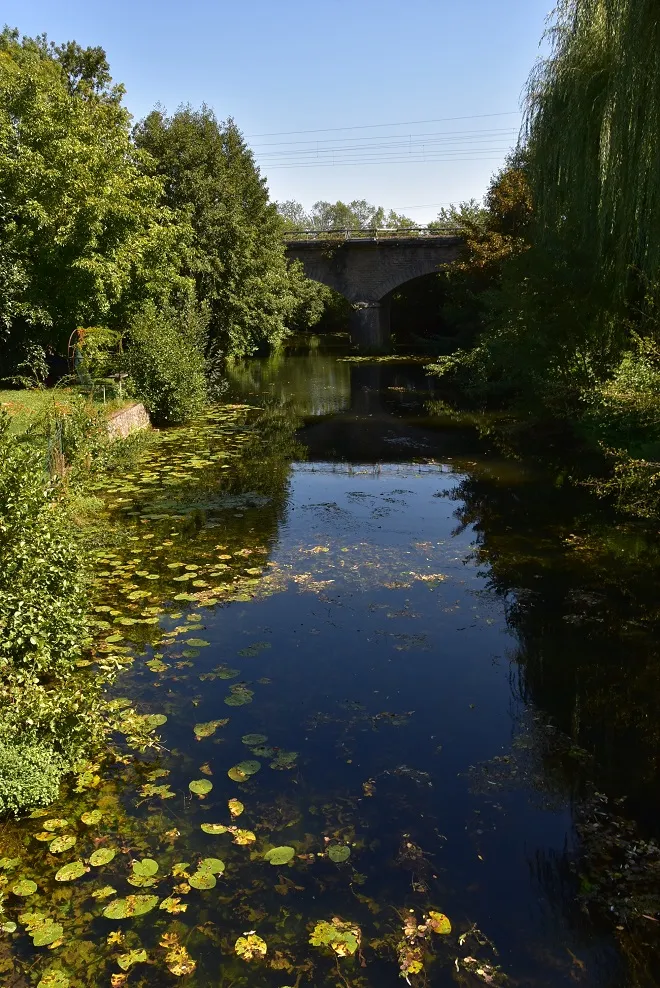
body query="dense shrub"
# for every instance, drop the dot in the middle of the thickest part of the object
(166, 363)
(49, 707)
(29, 776)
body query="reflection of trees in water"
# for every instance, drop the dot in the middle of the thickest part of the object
(580, 596)
(317, 384)
(585, 612)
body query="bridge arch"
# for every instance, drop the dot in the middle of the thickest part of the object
(367, 270)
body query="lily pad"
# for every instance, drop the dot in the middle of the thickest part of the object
(127, 960)
(47, 934)
(173, 904)
(24, 887)
(209, 728)
(91, 818)
(340, 937)
(214, 866)
(250, 947)
(55, 824)
(102, 856)
(279, 855)
(339, 853)
(200, 787)
(252, 739)
(197, 642)
(8, 927)
(132, 905)
(235, 807)
(145, 868)
(439, 923)
(202, 880)
(69, 872)
(243, 837)
(63, 843)
(214, 828)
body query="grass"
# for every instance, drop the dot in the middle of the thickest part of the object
(26, 405)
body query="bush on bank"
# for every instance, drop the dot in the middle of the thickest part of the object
(49, 707)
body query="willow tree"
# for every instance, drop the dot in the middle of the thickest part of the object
(592, 125)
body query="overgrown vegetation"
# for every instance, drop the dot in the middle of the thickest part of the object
(561, 272)
(49, 709)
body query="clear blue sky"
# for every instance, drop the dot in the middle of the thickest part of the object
(282, 66)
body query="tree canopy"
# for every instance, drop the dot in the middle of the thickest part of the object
(356, 215)
(84, 234)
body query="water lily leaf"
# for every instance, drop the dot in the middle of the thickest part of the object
(179, 961)
(213, 866)
(24, 887)
(54, 979)
(200, 786)
(439, 923)
(197, 642)
(104, 893)
(339, 853)
(38, 814)
(145, 868)
(173, 904)
(102, 856)
(249, 767)
(209, 728)
(91, 818)
(8, 864)
(63, 843)
(152, 721)
(279, 855)
(127, 961)
(235, 807)
(252, 739)
(250, 947)
(214, 828)
(132, 905)
(284, 760)
(342, 938)
(202, 880)
(69, 872)
(46, 934)
(9, 927)
(55, 824)
(243, 837)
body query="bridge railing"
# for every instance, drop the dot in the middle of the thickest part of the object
(360, 233)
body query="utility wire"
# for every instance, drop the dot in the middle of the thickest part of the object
(399, 123)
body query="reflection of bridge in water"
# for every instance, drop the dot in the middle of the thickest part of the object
(366, 266)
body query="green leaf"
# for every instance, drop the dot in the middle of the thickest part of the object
(102, 856)
(214, 828)
(69, 872)
(54, 979)
(200, 787)
(339, 853)
(127, 960)
(202, 880)
(63, 843)
(132, 905)
(212, 865)
(253, 739)
(46, 934)
(196, 642)
(145, 868)
(24, 887)
(91, 817)
(279, 855)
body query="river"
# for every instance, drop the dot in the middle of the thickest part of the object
(430, 667)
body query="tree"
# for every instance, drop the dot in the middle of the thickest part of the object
(83, 232)
(238, 259)
(356, 215)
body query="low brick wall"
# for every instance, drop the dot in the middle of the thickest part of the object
(127, 420)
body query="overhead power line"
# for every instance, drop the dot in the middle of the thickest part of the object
(399, 123)
(315, 142)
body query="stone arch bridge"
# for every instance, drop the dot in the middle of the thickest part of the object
(368, 267)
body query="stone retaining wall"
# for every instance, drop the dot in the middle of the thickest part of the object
(127, 420)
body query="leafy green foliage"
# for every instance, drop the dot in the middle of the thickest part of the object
(86, 239)
(166, 363)
(29, 776)
(237, 260)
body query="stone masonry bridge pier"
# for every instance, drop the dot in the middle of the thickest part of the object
(366, 266)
